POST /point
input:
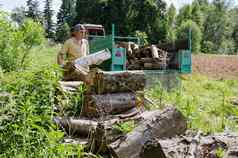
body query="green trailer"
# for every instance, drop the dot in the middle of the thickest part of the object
(119, 57)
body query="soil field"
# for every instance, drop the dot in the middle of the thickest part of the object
(216, 66)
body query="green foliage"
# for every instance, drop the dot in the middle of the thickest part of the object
(142, 36)
(65, 19)
(197, 15)
(16, 42)
(62, 32)
(18, 15)
(171, 31)
(26, 115)
(220, 152)
(66, 13)
(218, 28)
(128, 16)
(204, 102)
(183, 33)
(185, 13)
(125, 127)
(31, 35)
(48, 14)
(71, 105)
(33, 11)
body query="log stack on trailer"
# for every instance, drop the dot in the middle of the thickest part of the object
(145, 58)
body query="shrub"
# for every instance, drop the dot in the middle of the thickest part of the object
(183, 32)
(15, 42)
(26, 128)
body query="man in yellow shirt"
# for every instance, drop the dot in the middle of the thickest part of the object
(75, 47)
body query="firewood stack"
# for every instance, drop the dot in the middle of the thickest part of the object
(146, 57)
(111, 93)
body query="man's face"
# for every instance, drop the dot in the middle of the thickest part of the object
(80, 34)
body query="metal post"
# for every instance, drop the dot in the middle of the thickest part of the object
(113, 35)
(190, 40)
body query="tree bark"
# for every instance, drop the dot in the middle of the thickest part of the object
(164, 124)
(72, 126)
(116, 82)
(99, 105)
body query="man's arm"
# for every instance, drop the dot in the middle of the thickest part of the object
(62, 53)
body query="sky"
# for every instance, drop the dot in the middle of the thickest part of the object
(8, 5)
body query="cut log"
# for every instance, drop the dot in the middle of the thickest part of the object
(76, 126)
(82, 127)
(70, 85)
(152, 149)
(116, 82)
(164, 124)
(154, 51)
(232, 152)
(200, 146)
(100, 105)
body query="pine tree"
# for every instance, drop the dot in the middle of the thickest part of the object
(66, 13)
(171, 15)
(33, 11)
(48, 13)
(65, 18)
(197, 15)
(18, 15)
(63, 32)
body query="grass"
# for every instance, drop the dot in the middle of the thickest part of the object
(205, 102)
(44, 55)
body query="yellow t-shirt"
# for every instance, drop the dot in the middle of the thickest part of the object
(74, 49)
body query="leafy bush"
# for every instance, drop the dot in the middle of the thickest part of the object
(142, 36)
(15, 42)
(183, 32)
(26, 112)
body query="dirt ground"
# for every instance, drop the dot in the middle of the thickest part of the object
(216, 66)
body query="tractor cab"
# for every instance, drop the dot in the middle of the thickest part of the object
(94, 30)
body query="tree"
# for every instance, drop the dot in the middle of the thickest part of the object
(33, 11)
(183, 33)
(65, 18)
(66, 13)
(196, 14)
(62, 32)
(218, 28)
(234, 13)
(185, 13)
(171, 15)
(18, 15)
(48, 13)
(150, 18)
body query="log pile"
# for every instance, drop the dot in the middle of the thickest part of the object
(147, 58)
(144, 58)
(158, 125)
(116, 82)
(113, 93)
(142, 142)
(153, 57)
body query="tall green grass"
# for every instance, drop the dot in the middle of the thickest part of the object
(27, 99)
(205, 102)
